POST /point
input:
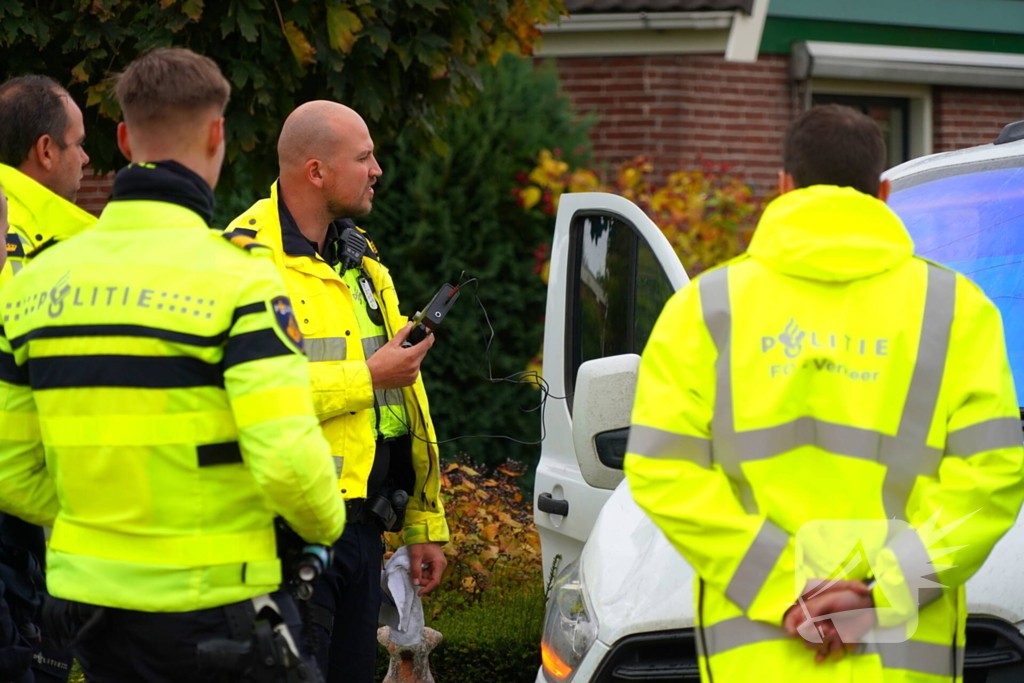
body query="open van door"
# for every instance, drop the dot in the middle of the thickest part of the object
(612, 271)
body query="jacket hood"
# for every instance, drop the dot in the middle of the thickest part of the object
(829, 233)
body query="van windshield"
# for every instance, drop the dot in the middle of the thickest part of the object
(971, 219)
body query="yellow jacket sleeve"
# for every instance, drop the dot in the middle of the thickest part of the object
(978, 490)
(668, 466)
(267, 382)
(26, 488)
(340, 387)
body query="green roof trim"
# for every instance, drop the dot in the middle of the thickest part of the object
(983, 16)
(779, 35)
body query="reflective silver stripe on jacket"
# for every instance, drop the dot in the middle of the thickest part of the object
(658, 443)
(714, 299)
(913, 559)
(339, 463)
(918, 656)
(385, 397)
(907, 456)
(323, 349)
(911, 655)
(738, 632)
(371, 344)
(999, 432)
(756, 565)
(853, 442)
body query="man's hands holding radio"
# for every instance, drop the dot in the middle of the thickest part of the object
(393, 367)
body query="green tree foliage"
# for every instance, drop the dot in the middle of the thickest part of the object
(435, 217)
(400, 63)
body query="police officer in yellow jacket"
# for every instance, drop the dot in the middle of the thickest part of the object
(366, 388)
(829, 421)
(156, 411)
(41, 161)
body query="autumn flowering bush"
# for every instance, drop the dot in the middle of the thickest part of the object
(708, 214)
(494, 543)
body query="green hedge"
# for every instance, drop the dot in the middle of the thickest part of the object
(436, 216)
(496, 639)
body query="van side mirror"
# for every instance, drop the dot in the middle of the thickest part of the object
(602, 407)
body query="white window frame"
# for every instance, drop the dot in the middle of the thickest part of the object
(920, 97)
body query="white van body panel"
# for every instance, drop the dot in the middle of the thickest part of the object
(636, 580)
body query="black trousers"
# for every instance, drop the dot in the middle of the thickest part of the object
(160, 647)
(346, 603)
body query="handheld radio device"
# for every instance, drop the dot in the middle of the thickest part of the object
(427, 320)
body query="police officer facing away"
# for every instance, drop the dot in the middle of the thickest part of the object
(829, 406)
(367, 391)
(157, 412)
(41, 161)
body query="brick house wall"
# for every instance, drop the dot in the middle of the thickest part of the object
(679, 109)
(965, 117)
(95, 191)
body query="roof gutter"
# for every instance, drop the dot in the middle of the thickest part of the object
(906, 65)
(641, 21)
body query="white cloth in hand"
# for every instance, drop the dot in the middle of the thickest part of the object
(405, 616)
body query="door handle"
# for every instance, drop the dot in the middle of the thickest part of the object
(545, 503)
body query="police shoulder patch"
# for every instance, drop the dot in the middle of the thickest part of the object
(284, 315)
(15, 248)
(243, 239)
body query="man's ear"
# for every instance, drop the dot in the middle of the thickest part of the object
(884, 190)
(123, 143)
(215, 136)
(786, 182)
(45, 149)
(315, 173)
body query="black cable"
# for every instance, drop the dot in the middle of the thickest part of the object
(529, 377)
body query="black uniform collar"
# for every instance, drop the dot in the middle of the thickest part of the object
(295, 243)
(165, 181)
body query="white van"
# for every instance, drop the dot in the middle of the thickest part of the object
(621, 609)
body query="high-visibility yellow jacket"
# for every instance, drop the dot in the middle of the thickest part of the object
(342, 387)
(35, 215)
(155, 410)
(828, 375)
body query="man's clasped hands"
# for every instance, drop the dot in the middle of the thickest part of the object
(851, 606)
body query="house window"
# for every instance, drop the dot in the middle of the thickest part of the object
(892, 114)
(902, 110)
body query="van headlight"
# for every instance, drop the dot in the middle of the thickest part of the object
(570, 627)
